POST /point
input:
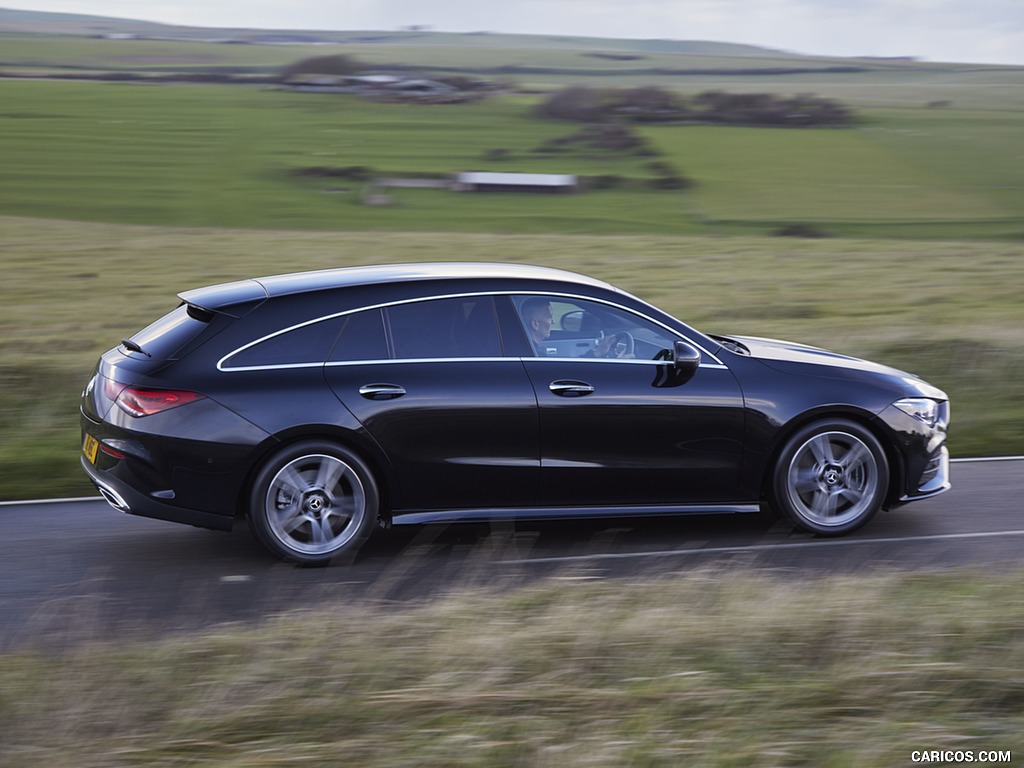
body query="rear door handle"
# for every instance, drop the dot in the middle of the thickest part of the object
(566, 388)
(381, 391)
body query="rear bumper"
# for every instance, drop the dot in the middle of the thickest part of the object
(124, 498)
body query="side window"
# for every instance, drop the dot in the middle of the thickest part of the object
(306, 344)
(568, 327)
(445, 328)
(362, 337)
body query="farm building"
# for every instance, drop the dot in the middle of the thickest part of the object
(480, 181)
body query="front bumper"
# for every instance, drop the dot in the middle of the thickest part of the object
(934, 480)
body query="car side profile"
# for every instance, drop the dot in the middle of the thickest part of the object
(320, 405)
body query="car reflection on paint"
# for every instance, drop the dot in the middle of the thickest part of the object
(320, 405)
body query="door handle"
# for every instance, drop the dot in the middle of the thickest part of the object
(381, 391)
(565, 388)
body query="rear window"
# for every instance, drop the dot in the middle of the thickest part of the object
(167, 336)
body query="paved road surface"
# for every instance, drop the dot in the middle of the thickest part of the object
(79, 570)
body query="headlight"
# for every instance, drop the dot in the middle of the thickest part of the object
(921, 408)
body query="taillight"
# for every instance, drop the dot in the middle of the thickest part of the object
(138, 402)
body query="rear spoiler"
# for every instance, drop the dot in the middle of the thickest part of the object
(232, 299)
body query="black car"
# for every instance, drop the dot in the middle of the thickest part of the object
(322, 404)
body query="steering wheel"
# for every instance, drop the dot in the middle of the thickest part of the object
(623, 346)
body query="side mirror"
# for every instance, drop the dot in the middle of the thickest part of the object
(572, 321)
(687, 359)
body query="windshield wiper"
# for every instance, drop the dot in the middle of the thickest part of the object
(731, 344)
(132, 346)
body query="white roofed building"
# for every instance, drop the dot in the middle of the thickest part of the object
(484, 181)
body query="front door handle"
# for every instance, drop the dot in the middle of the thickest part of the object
(566, 388)
(381, 391)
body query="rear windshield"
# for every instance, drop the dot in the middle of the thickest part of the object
(167, 336)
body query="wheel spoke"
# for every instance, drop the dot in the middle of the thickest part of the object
(805, 480)
(821, 448)
(857, 456)
(321, 531)
(824, 504)
(852, 495)
(293, 521)
(290, 479)
(329, 473)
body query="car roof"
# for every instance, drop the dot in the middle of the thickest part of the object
(216, 297)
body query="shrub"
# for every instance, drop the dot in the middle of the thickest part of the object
(339, 64)
(800, 230)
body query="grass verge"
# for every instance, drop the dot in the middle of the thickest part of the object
(709, 669)
(947, 311)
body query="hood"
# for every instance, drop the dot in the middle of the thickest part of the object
(777, 353)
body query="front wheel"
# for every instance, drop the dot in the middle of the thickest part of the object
(312, 502)
(831, 477)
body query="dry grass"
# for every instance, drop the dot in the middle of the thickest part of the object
(948, 311)
(710, 669)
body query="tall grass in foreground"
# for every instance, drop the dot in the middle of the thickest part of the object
(710, 669)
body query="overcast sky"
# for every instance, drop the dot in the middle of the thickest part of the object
(979, 31)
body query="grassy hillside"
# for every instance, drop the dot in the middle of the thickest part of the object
(234, 157)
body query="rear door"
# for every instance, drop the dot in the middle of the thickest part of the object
(430, 382)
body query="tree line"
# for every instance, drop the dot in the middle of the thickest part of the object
(651, 104)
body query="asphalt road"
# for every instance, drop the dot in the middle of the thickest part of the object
(76, 571)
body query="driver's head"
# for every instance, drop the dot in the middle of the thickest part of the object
(537, 317)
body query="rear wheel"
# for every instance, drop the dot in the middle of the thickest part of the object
(312, 502)
(831, 477)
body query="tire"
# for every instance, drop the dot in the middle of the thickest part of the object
(830, 478)
(312, 502)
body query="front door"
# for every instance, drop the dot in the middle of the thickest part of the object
(618, 427)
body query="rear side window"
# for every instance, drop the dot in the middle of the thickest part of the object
(305, 344)
(362, 337)
(167, 336)
(445, 328)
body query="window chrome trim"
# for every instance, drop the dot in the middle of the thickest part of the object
(225, 368)
(393, 361)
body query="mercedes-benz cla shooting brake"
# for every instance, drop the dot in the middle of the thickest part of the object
(322, 404)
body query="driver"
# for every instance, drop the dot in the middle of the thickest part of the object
(537, 317)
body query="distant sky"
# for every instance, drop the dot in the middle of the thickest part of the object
(977, 31)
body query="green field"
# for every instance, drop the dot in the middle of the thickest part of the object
(228, 156)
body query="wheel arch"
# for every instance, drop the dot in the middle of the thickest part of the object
(859, 416)
(360, 444)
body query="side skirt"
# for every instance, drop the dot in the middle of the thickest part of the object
(415, 517)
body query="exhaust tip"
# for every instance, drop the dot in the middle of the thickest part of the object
(113, 498)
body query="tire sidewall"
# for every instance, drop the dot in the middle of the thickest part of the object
(779, 495)
(257, 511)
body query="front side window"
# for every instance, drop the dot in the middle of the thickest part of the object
(569, 327)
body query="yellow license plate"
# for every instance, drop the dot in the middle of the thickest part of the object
(90, 448)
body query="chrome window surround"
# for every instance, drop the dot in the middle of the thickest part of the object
(224, 367)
